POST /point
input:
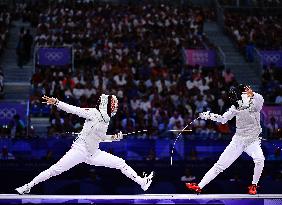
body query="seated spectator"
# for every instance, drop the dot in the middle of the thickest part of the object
(272, 128)
(200, 104)
(228, 76)
(78, 91)
(17, 127)
(127, 122)
(56, 122)
(68, 82)
(175, 118)
(199, 126)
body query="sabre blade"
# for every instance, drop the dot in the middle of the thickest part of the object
(130, 133)
(180, 130)
(178, 135)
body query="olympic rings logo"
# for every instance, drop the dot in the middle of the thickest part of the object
(54, 56)
(7, 113)
(271, 57)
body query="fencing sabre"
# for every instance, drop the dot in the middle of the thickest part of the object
(173, 147)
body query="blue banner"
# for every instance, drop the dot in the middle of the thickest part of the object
(200, 57)
(8, 110)
(54, 56)
(272, 57)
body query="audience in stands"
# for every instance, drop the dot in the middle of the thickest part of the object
(157, 105)
(250, 31)
(5, 20)
(133, 52)
(132, 61)
(244, 3)
(24, 45)
(271, 87)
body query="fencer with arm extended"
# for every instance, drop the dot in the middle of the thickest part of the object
(85, 148)
(246, 139)
(88, 114)
(255, 104)
(219, 118)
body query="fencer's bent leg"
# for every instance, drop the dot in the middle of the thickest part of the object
(105, 159)
(73, 157)
(230, 154)
(254, 150)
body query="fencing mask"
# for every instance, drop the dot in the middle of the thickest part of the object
(238, 96)
(107, 105)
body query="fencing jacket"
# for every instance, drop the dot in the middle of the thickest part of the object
(247, 119)
(95, 126)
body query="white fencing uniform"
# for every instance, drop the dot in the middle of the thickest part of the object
(246, 138)
(86, 148)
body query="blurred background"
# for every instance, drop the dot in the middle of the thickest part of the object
(165, 60)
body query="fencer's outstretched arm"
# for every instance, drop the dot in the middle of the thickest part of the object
(228, 115)
(81, 112)
(84, 113)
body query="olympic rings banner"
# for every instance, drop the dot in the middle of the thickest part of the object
(8, 110)
(268, 57)
(272, 111)
(54, 56)
(200, 57)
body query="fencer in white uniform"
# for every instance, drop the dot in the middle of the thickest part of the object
(86, 147)
(246, 138)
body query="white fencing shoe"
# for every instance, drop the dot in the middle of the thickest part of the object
(25, 189)
(147, 181)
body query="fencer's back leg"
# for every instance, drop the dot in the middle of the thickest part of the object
(73, 157)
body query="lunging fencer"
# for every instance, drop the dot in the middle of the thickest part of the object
(246, 108)
(86, 147)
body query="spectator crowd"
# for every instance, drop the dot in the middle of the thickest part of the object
(261, 30)
(134, 52)
(5, 20)
(251, 3)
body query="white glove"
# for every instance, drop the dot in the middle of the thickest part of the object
(205, 115)
(118, 136)
(233, 109)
